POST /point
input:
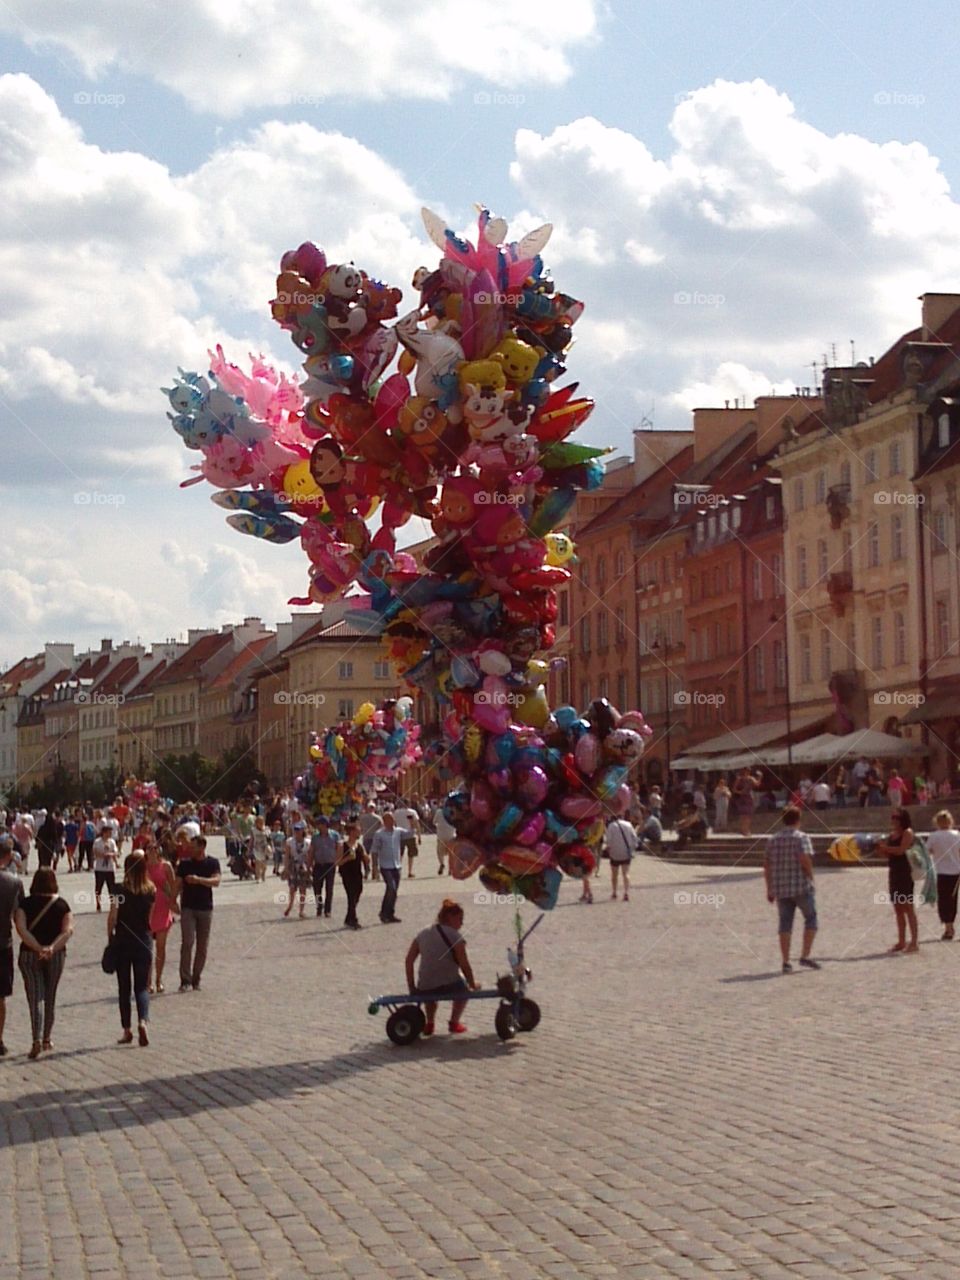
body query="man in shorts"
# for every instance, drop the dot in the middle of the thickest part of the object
(788, 874)
(408, 820)
(11, 897)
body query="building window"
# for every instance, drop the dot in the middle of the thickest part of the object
(759, 672)
(724, 520)
(803, 645)
(704, 587)
(345, 670)
(896, 538)
(776, 571)
(873, 545)
(798, 496)
(870, 465)
(826, 664)
(621, 563)
(942, 615)
(621, 626)
(584, 693)
(621, 690)
(705, 652)
(780, 664)
(770, 507)
(585, 634)
(943, 431)
(847, 556)
(711, 526)
(585, 574)
(939, 531)
(820, 487)
(896, 458)
(601, 572)
(701, 531)
(694, 643)
(602, 629)
(845, 472)
(381, 670)
(735, 516)
(665, 569)
(563, 604)
(345, 709)
(876, 641)
(717, 639)
(899, 640)
(801, 567)
(822, 559)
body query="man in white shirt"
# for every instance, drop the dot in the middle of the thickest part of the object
(820, 793)
(105, 855)
(370, 823)
(387, 847)
(408, 820)
(446, 834)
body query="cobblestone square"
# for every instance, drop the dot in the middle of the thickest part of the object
(683, 1109)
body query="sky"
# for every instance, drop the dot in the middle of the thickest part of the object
(733, 188)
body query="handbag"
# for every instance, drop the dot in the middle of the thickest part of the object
(108, 961)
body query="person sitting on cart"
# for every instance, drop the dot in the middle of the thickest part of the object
(444, 967)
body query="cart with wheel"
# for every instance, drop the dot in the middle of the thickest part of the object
(515, 1011)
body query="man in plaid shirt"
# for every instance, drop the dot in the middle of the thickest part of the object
(788, 872)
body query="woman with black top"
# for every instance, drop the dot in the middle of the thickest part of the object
(50, 840)
(353, 861)
(45, 924)
(900, 878)
(128, 928)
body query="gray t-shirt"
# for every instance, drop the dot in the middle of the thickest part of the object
(11, 897)
(438, 965)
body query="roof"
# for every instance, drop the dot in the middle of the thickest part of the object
(146, 683)
(189, 665)
(248, 655)
(642, 498)
(344, 630)
(118, 676)
(20, 673)
(93, 668)
(757, 735)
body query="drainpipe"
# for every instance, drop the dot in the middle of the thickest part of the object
(745, 634)
(924, 620)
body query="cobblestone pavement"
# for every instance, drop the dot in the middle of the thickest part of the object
(682, 1110)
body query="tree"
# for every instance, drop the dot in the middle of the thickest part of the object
(187, 777)
(237, 770)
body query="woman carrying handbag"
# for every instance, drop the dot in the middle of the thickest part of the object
(130, 941)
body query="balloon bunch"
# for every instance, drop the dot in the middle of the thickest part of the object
(140, 793)
(471, 432)
(355, 759)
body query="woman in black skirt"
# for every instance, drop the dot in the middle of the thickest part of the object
(353, 861)
(900, 878)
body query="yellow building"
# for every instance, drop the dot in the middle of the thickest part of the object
(852, 538)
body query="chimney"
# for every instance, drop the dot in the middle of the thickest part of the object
(936, 310)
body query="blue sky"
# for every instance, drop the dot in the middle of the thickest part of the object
(793, 168)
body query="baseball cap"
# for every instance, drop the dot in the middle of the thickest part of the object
(299, 826)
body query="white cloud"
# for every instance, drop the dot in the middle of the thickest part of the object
(262, 53)
(730, 382)
(225, 584)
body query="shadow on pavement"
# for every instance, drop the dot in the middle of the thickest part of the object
(133, 1104)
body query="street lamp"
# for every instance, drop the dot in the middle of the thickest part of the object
(663, 648)
(785, 619)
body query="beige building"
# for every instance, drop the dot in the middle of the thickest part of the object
(853, 538)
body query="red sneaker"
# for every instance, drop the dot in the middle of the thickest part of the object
(428, 1029)
(457, 1028)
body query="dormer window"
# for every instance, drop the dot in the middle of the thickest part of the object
(943, 431)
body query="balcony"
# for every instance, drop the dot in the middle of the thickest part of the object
(840, 589)
(838, 504)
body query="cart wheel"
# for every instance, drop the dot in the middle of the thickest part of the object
(504, 1023)
(406, 1023)
(528, 1014)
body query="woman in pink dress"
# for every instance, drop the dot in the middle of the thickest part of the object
(164, 909)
